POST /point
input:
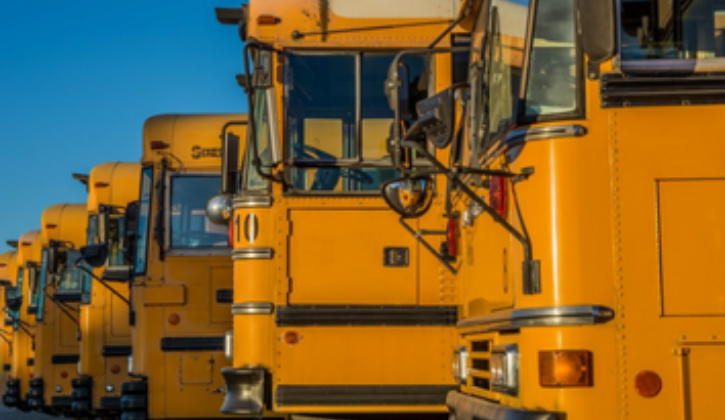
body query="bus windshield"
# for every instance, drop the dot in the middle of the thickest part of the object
(656, 29)
(338, 119)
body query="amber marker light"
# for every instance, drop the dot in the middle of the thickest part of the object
(158, 145)
(648, 383)
(267, 20)
(291, 337)
(101, 184)
(115, 369)
(64, 375)
(50, 226)
(565, 368)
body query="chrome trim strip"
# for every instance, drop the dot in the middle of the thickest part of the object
(544, 133)
(253, 254)
(540, 317)
(252, 201)
(253, 308)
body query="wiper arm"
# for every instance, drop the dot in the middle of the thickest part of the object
(62, 306)
(103, 282)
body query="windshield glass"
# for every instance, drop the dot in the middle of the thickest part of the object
(338, 119)
(190, 228)
(69, 277)
(553, 76)
(658, 29)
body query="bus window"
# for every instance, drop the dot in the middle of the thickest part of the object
(190, 228)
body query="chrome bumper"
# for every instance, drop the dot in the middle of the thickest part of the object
(464, 407)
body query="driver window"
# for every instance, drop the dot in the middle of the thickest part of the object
(552, 81)
(502, 68)
(190, 228)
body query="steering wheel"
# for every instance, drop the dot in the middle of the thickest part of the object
(327, 178)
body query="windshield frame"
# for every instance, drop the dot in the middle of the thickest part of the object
(200, 251)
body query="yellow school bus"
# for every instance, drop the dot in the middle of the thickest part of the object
(19, 311)
(7, 276)
(339, 309)
(589, 214)
(54, 299)
(182, 278)
(105, 343)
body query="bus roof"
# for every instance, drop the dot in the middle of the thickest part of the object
(188, 141)
(64, 222)
(350, 23)
(113, 184)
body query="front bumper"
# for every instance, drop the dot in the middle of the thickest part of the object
(465, 407)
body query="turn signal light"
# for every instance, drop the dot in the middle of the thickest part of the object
(498, 195)
(230, 234)
(452, 237)
(565, 368)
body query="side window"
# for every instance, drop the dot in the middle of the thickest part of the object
(497, 57)
(33, 287)
(553, 78)
(70, 278)
(116, 237)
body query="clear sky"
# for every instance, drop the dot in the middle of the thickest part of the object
(78, 78)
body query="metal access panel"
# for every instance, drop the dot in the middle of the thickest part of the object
(692, 246)
(338, 257)
(702, 373)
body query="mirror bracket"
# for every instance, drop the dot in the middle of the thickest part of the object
(419, 236)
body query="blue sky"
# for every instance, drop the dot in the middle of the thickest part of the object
(78, 79)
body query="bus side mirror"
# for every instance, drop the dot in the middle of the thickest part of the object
(95, 255)
(437, 118)
(597, 25)
(409, 197)
(230, 162)
(104, 214)
(133, 211)
(53, 257)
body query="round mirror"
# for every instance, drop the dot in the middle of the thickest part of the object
(95, 255)
(409, 197)
(219, 209)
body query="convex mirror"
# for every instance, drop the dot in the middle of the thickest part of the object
(219, 209)
(95, 255)
(409, 197)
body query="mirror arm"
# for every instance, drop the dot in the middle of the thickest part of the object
(419, 237)
(21, 324)
(103, 282)
(530, 269)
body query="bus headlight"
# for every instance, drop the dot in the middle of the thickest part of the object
(460, 365)
(505, 369)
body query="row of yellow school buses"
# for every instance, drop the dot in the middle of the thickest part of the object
(489, 209)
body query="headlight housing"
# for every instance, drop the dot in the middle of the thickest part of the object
(505, 369)
(460, 365)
